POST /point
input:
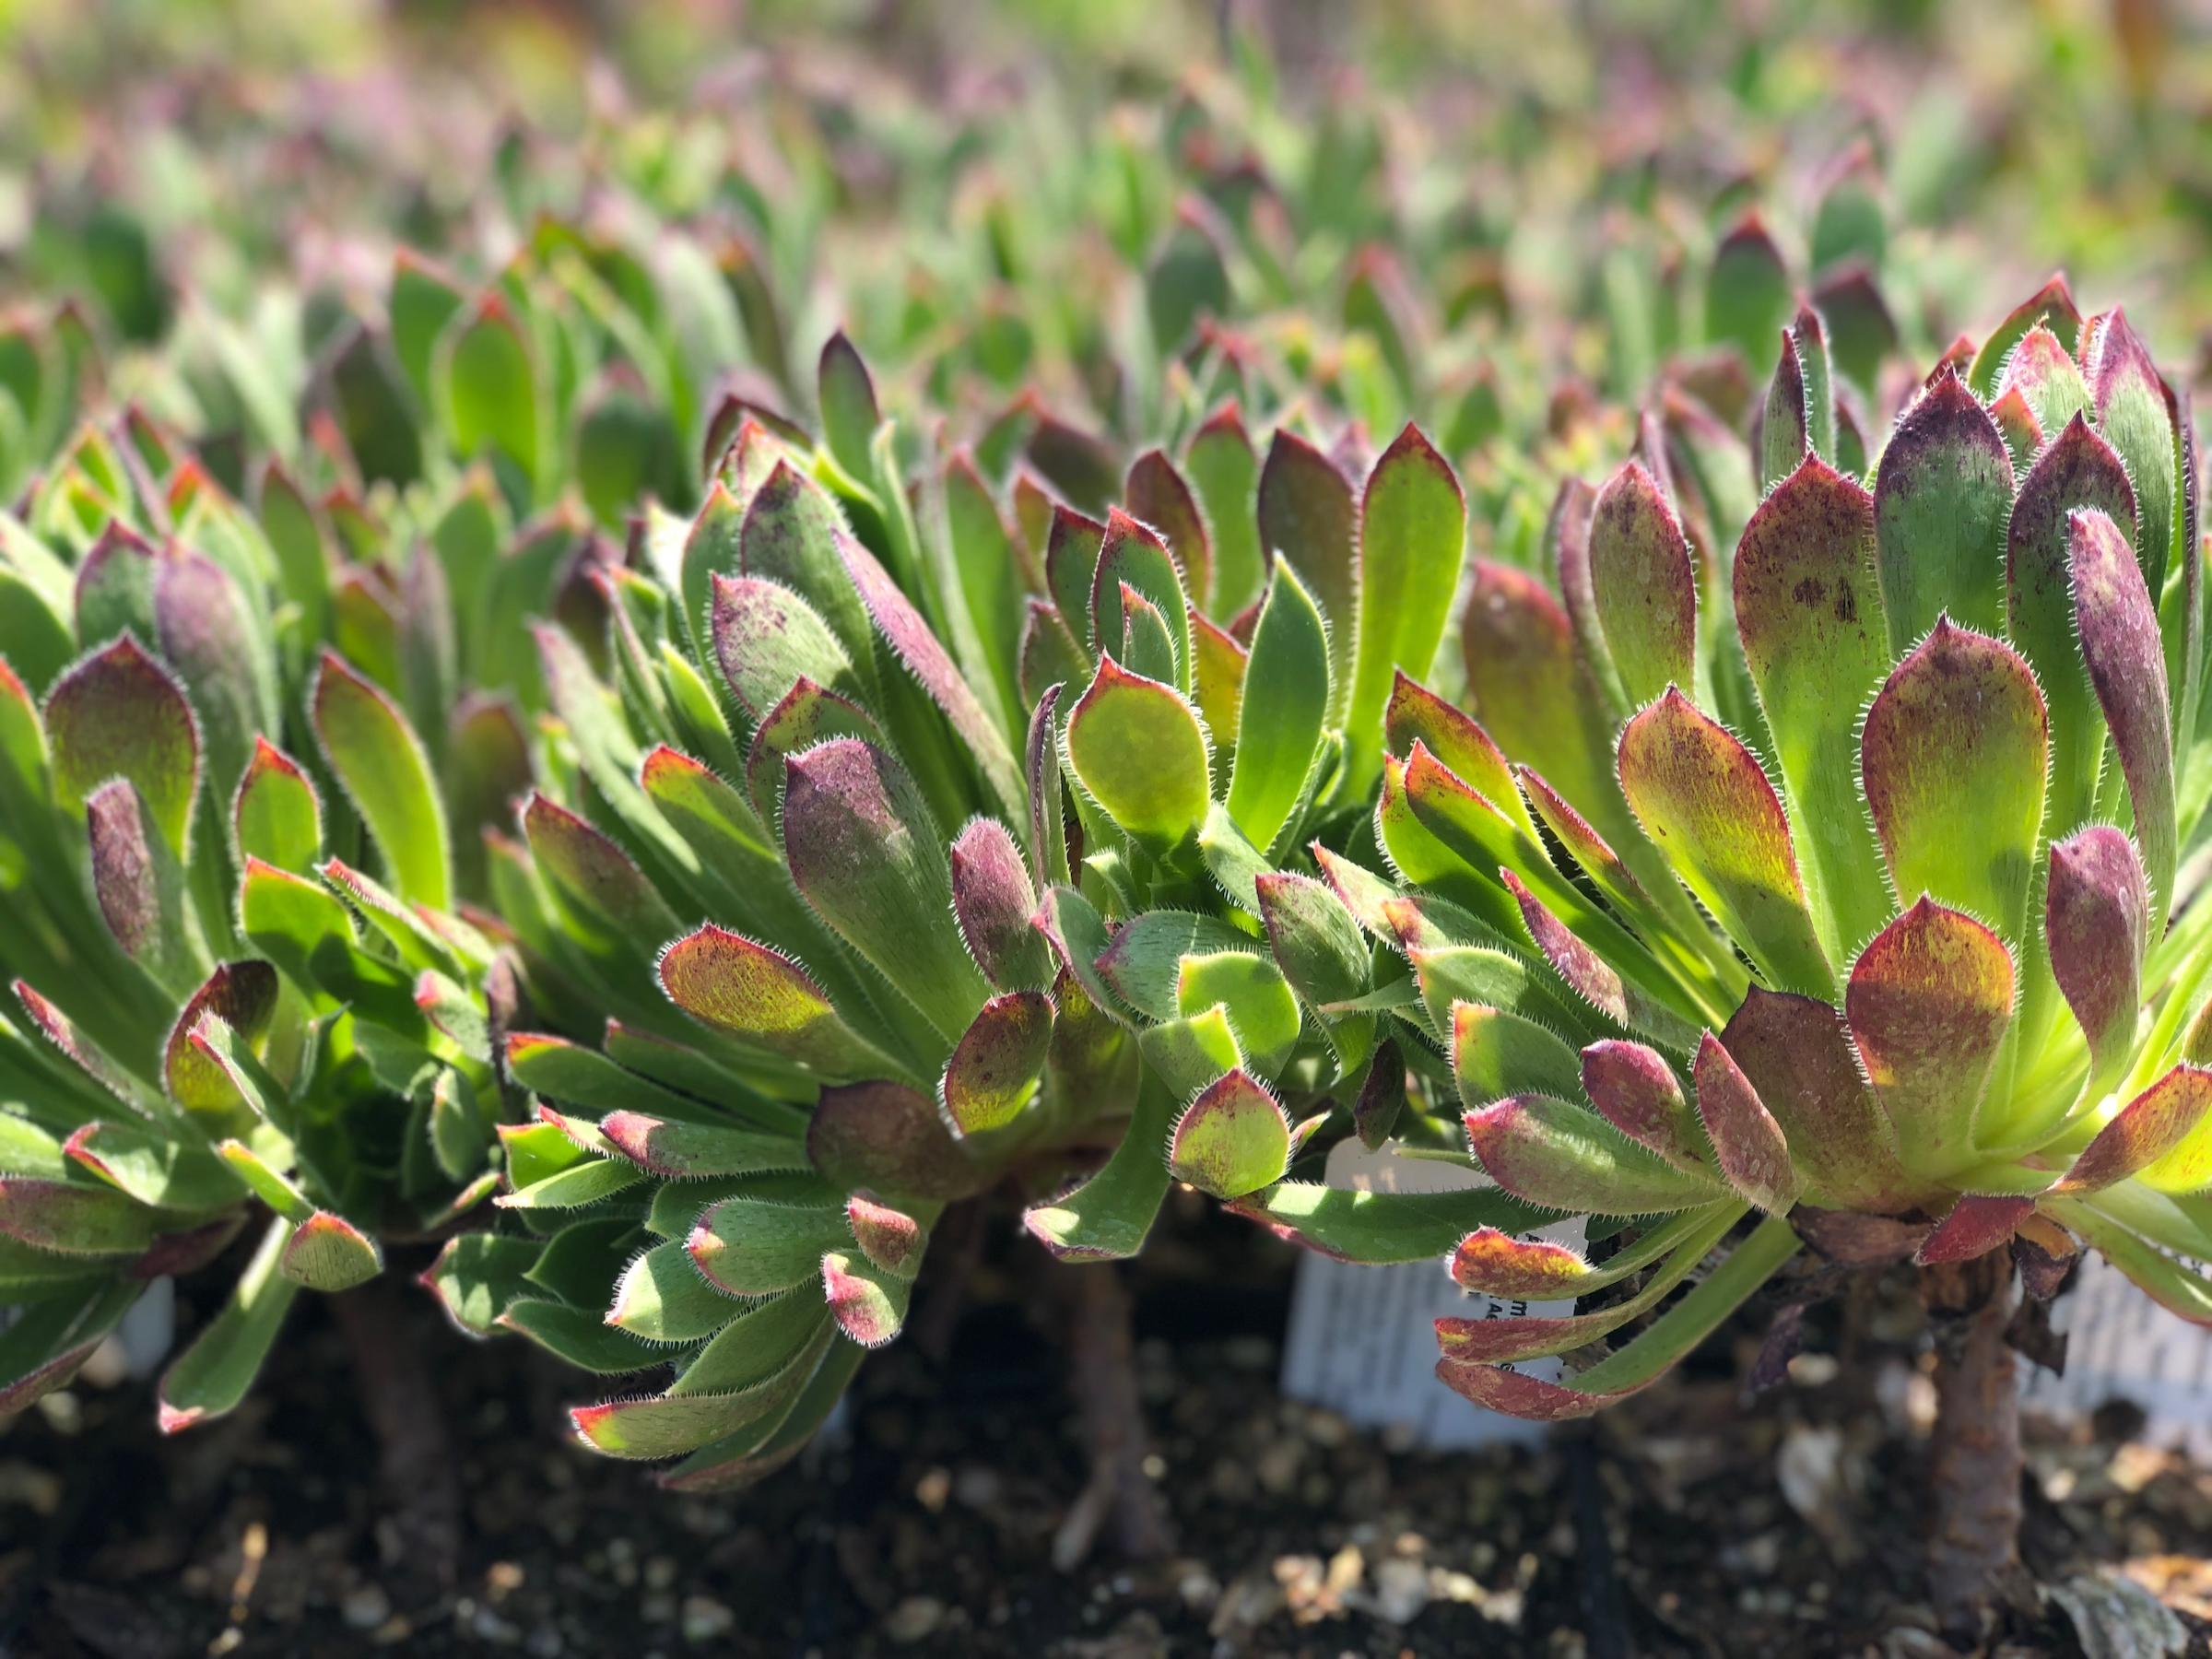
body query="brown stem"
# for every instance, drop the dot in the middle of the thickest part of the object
(415, 1459)
(1103, 1377)
(1976, 1464)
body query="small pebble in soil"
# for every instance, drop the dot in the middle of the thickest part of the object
(365, 1607)
(1401, 1591)
(915, 1620)
(706, 1618)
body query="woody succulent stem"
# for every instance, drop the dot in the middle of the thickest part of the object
(1121, 1497)
(1976, 1473)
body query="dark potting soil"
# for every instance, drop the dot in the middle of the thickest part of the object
(1786, 1523)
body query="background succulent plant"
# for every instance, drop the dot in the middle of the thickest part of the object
(1925, 757)
(221, 1008)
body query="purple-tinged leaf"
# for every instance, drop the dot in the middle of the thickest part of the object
(2146, 1130)
(2118, 625)
(73, 1218)
(1157, 495)
(1746, 289)
(1810, 612)
(1960, 719)
(120, 714)
(1797, 1058)
(1495, 1054)
(2134, 416)
(1413, 539)
(992, 900)
(212, 639)
(1636, 1091)
(888, 1138)
(2051, 306)
(762, 997)
(807, 715)
(1048, 654)
(2047, 379)
(1231, 1140)
(918, 650)
(276, 815)
(1703, 798)
(1564, 1157)
(1415, 714)
(1534, 696)
(1929, 1002)
(140, 887)
(864, 853)
(1306, 515)
(868, 1303)
(1382, 1097)
(1138, 749)
(115, 586)
(767, 638)
(749, 1246)
(1862, 333)
(713, 545)
(1520, 1394)
(1567, 535)
(995, 1067)
(846, 396)
(2023, 435)
(1748, 1143)
(1593, 979)
(1071, 567)
(1363, 892)
(2076, 469)
(86, 1054)
(1781, 436)
(789, 537)
(598, 887)
(1147, 646)
(1941, 497)
(328, 1252)
(386, 773)
(1613, 879)
(1132, 556)
(1225, 472)
(678, 1150)
(1975, 1225)
(1645, 585)
(1505, 1337)
(1048, 806)
(2096, 919)
(1314, 937)
(243, 996)
(889, 1238)
(1496, 1262)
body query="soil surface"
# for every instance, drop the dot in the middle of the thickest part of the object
(1693, 1520)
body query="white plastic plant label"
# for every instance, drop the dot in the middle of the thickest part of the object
(2121, 1345)
(1362, 1340)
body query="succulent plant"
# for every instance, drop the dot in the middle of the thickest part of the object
(913, 856)
(242, 979)
(1854, 861)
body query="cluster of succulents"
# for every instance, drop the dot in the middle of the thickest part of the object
(502, 766)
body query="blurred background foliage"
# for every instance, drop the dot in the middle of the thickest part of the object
(2017, 135)
(991, 196)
